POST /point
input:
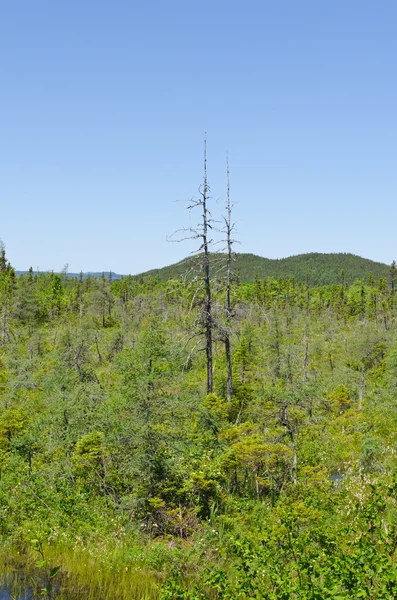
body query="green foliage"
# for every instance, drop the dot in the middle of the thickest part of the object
(323, 269)
(216, 406)
(12, 421)
(43, 564)
(128, 475)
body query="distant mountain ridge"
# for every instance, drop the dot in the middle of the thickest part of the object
(95, 274)
(322, 268)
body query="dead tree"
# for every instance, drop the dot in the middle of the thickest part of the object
(206, 264)
(229, 229)
(201, 232)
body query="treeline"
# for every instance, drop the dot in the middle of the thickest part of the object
(33, 299)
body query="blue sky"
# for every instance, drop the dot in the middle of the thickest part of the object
(104, 105)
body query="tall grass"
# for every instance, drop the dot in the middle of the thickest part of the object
(80, 576)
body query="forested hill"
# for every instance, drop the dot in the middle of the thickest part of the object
(323, 268)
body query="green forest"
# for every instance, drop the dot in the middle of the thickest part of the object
(129, 470)
(321, 268)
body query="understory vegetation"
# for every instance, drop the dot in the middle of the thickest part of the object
(120, 477)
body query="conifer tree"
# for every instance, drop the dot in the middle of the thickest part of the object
(3, 259)
(393, 278)
(7, 286)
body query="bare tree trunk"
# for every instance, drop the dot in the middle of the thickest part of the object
(202, 232)
(207, 304)
(229, 227)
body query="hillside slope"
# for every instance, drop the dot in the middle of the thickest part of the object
(323, 268)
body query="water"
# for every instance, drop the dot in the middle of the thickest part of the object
(17, 589)
(6, 594)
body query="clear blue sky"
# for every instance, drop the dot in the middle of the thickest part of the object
(104, 107)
